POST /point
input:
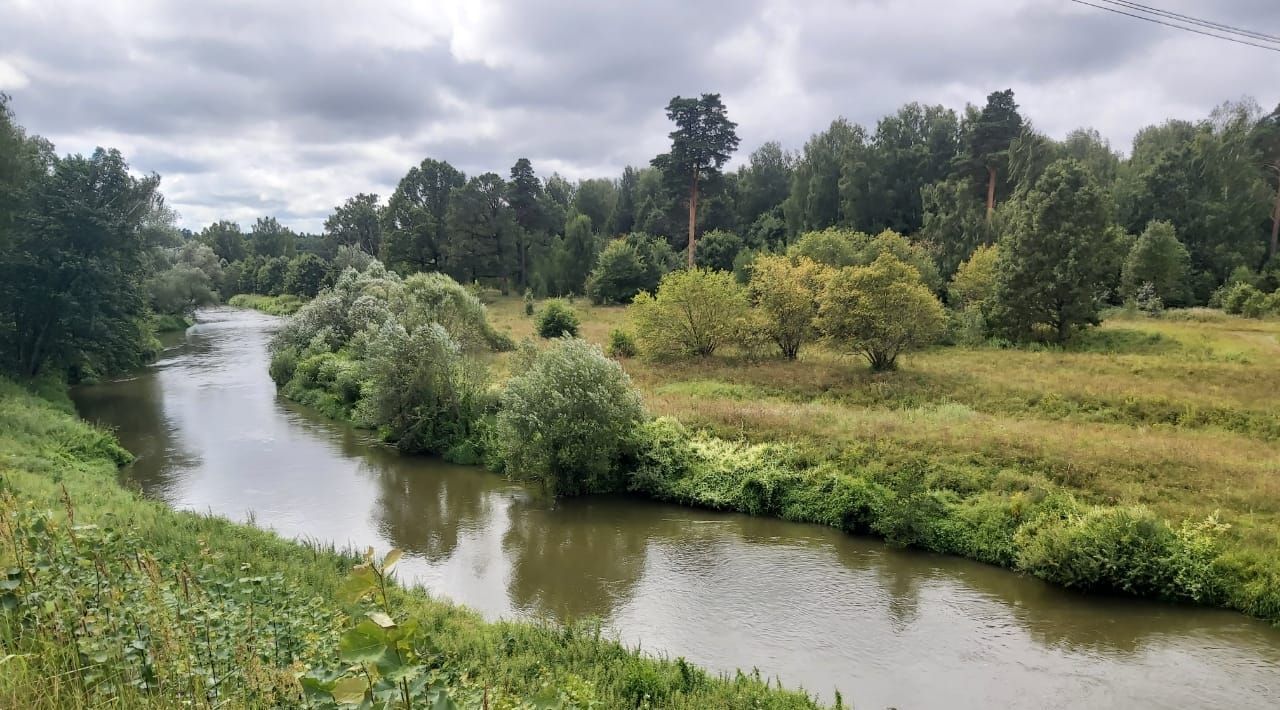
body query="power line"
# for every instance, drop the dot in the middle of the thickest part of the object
(1176, 26)
(1231, 29)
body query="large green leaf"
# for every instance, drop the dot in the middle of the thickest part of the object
(366, 643)
(349, 691)
(359, 583)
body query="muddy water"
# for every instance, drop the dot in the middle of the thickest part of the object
(813, 607)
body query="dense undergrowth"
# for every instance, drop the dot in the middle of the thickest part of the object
(110, 600)
(880, 454)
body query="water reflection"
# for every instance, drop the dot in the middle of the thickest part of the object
(570, 562)
(426, 513)
(807, 604)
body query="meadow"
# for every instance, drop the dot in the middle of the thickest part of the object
(1175, 419)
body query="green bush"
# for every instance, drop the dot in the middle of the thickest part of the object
(1127, 550)
(1236, 295)
(528, 302)
(694, 313)
(879, 311)
(435, 298)
(618, 276)
(621, 344)
(662, 456)
(422, 393)
(717, 249)
(838, 248)
(569, 420)
(557, 319)
(1159, 259)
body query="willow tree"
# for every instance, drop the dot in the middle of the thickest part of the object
(700, 146)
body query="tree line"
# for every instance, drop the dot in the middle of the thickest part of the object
(90, 255)
(950, 181)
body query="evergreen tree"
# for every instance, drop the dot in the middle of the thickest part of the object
(996, 127)
(355, 223)
(700, 146)
(1053, 266)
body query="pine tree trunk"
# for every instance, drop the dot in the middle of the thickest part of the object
(991, 192)
(1275, 226)
(693, 214)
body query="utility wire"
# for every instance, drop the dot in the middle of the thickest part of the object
(1210, 24)
(1177, 26)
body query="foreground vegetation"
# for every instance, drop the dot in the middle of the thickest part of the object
(114, 601)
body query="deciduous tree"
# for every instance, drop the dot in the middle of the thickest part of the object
(879, 311)
(415, 221)
(786, 292)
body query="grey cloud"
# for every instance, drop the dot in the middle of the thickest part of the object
(288, 108)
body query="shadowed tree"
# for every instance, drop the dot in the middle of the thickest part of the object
(74, 233)
(528, 204)
(1268, 139)
(416, 217)
(814, 202)
(700, 146)
(226, 240)
(482, 232)
(764, 182)
(269, 238)
(356, 223)
(623, 218)
(595, 198)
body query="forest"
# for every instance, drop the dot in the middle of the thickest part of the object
(1191, 213)
(951, 331)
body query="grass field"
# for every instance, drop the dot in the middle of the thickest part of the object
(1180, 414)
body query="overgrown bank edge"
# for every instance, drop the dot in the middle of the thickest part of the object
(112, 600)
(372, 350)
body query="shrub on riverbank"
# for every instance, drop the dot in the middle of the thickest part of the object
(117, 601)
(1053, 536)
(568, 421)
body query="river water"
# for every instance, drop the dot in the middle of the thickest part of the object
(810, 606)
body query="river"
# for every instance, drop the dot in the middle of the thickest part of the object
(808, 605)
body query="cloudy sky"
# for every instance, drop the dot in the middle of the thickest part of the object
(286, 108)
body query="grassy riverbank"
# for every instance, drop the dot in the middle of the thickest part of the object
(116, 601)
(284, 305)
(1142, 460)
